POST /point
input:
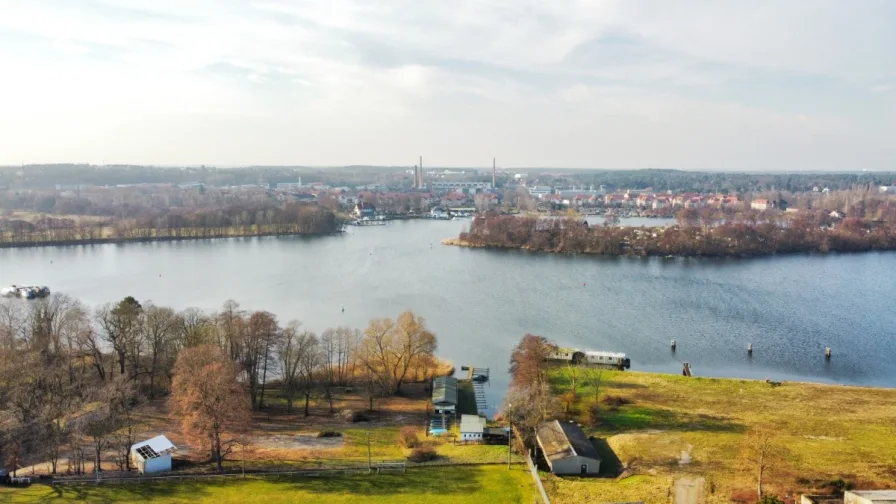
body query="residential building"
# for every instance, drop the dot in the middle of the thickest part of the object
(762, 204)
(289, 186)
(888, 189)
(364, 210)
(153, 455)
(567, 450)
(472, 427)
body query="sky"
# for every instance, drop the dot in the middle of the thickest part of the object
(701, 85)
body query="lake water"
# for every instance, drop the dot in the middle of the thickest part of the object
(479, 302)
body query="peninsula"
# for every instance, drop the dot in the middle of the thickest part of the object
(736, 238)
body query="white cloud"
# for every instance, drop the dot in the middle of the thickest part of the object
(692, 84)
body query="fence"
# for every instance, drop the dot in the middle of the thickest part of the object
(330, 471)
(532, 469)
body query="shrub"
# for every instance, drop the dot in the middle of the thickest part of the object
(407, 437)
(328, 433)
(615, 401)
(423, 454)
(770, 499)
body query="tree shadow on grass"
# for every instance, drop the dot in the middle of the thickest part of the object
(111, 493)
(457, 480)
(632, 417)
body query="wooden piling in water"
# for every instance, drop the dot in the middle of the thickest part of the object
(749, 349)
(827, 352)
(674, 344)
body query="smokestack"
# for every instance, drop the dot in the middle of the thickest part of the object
(421, 172)
(414, 184)
(494, 186)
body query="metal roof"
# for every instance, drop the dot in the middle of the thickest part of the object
(474, 424)
(444, 390)
(153, 448)
(564, 439)
(876, 495)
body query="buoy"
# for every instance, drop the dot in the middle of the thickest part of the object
(343, 309)
(827, 352)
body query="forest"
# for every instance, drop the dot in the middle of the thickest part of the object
(75, 381)
(710, 233)
(235, 219)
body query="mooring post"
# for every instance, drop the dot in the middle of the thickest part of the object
(674, 344)
(827, 352)
(749, 349)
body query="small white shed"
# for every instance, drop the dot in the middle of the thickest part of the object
(471, 427)
(153, 455)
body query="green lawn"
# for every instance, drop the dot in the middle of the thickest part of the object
(449, 485)
(826, 432)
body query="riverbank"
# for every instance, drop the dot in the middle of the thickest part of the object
(735, 239)
(151, 236)
(662, 428)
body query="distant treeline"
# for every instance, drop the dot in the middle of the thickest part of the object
(51, 175)
(234, 220)
(753, 237)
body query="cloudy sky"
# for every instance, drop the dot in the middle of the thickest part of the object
(716, 84)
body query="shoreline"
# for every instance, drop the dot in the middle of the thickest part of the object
(147, 239)
(458, 242)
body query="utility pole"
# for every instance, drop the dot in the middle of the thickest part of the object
(369, 464)
(509, 436)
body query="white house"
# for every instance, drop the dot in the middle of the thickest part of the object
(567, 450)
(471, 427)
(153, 455)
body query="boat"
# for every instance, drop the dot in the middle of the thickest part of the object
(25, 291)
(613, 360)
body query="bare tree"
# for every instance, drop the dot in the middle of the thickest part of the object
(121, 324)
(159, 329)
(209, 400)
(762, 452)
(389, 348)
(293, 346)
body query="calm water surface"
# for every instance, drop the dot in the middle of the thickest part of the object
(480, 303)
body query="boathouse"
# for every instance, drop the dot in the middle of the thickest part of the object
(444, 394)
(153, 455)
(566, 449)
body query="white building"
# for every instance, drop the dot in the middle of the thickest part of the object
(456, 185)
(152, 455)
(471, 427)
(540, 191)
(885, 189)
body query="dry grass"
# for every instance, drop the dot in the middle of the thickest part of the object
(827, 433)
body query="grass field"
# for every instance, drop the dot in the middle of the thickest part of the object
(664, 427)
(468, 484)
